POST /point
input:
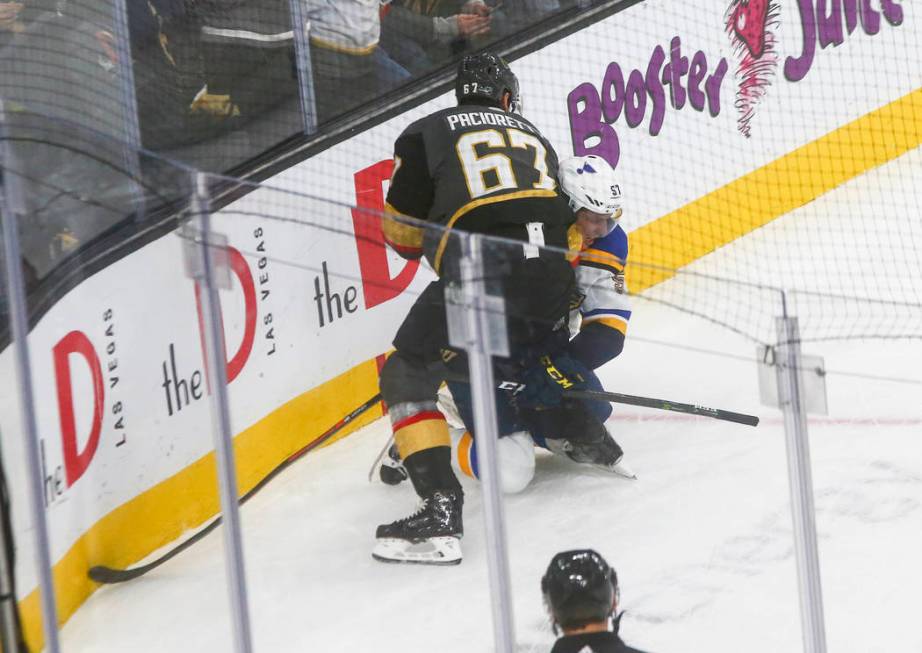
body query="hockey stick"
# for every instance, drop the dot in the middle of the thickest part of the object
(380, 457)
(103, 574)
(665, 404)
(633, 400)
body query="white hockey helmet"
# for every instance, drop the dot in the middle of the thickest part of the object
(590, 183)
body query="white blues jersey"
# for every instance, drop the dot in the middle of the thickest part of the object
(601, 285)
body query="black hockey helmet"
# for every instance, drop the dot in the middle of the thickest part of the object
(579, 588)
(487, 76)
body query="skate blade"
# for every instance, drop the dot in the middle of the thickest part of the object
(619, 469)
(433, 551)
(563, 449)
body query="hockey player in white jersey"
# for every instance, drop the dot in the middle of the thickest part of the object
(599, 317)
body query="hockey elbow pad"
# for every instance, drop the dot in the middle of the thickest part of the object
(404, 238)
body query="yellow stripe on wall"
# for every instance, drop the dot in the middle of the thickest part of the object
(755, 199)
(187, 499)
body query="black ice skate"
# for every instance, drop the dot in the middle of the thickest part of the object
(430, 536)
(604, 454)
(392, 471)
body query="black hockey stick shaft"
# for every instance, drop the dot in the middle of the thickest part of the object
(633, 400)
(103, 574)
(665, 404)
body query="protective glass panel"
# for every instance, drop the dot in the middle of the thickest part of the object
(758, 181)
(127, 451)
(224, 85)
(69, 128)
(723, 238)
(309, 275)
(13, 453)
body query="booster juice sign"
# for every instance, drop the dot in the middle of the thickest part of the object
(595, 110)
(827, 22)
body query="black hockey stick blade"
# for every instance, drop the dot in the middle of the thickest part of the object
(108, 575)
(663, 404)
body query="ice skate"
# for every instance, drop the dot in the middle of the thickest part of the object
(430, 536)
(604, 454)
(392, 471)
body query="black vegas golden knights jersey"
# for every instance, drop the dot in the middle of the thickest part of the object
(476, 169)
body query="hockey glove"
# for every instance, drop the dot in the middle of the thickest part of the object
(546, 382)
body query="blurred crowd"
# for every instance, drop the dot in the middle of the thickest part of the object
(203, 66)
(216, 85)
(359, 49)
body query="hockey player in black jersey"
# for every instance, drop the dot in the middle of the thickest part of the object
(478, 167)
(581, 594)
(598, 320)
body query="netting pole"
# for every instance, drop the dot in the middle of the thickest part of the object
(793, 405)
(131, 122)
(300, 25)
(210, 267)
(11, 209)
(484, 335)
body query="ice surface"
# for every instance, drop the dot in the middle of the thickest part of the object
(702, 541)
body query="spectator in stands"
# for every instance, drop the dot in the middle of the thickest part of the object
(423, 34)
(512, 17)
(247, 48)
(169, 76)
(349, 67)
(9, 13)
(15, 16)
(581, 594)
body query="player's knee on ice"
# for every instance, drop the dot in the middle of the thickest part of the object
(515, 453)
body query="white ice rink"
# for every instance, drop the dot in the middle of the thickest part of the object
(702, 542)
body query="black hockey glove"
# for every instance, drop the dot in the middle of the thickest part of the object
(546, 381)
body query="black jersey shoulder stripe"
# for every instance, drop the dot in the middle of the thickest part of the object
(483, 201)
